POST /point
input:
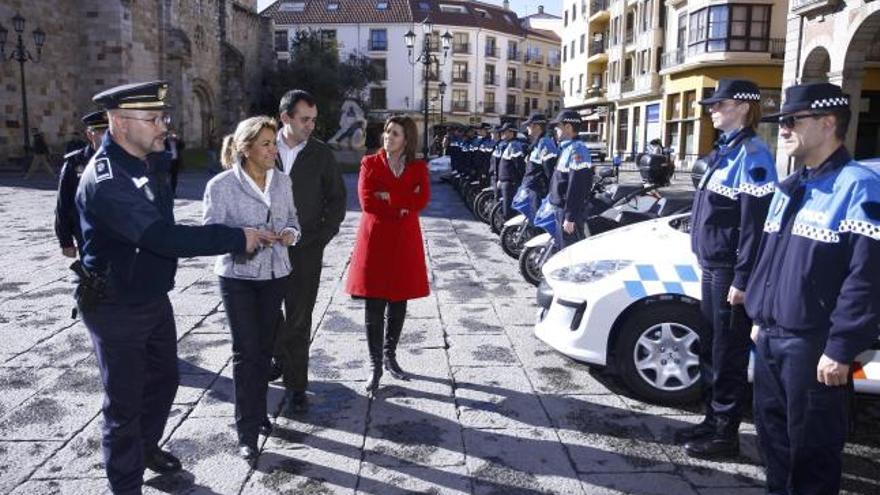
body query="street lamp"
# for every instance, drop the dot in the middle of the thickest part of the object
(442, 88)
(21, 54)
(427, 60)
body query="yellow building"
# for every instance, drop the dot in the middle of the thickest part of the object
(706, 42)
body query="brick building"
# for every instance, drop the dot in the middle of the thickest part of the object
(211, 51)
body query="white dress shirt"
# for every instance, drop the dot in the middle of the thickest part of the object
(264, 193)
(287, 154)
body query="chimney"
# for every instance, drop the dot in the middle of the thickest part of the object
(506, 4)
(540, 9)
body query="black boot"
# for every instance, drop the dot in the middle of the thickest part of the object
(723, 443)
(396, 316)
(698, 431)
(375, 324)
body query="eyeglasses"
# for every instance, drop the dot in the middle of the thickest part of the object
(790, 121)
(159, 119)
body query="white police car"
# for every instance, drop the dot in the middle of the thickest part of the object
(629, 300)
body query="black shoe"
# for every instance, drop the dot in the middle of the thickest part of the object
(276, 371)
(390, 363)
(266, 428)
(295, 402)
(698, 431)
(716, 446)
(373, 382)
(247, 452)
(160, 461)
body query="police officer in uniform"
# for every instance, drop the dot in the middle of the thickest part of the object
(130, 250)
(484, 150)
(572, 179)
(541, 157)
(729, 209)
(511, 166)
(814, 293)
(495, 158)
(66, 217)
(453, 148)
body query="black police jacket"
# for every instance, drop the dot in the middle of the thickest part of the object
(129, 234)
(66, 217)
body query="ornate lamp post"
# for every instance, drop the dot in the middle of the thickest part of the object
(21, 54)
(442, 88)
(426, 59)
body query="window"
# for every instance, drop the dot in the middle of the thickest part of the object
(491, 47)
(690, 103)
(580, 83)
(380, 66)
(574, 12)
(572, 48)
(490, 75)
(622, 128)
(328, 37)
(460, 72)
(378, 99)
(682, 31)
(482, 13)
(583, 42)
(452, 9)
(460, 43)
(381, 5)
(511, 105)
(292, 7)
(281, 42)
(378, 39)
(565, 53)
(332, 6)
(565, 19)
(512, 50)
(729, 27)
(674, 113)
(459, 100)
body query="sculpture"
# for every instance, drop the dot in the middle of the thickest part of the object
(352, 128)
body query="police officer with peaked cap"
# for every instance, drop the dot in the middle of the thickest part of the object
(541, 157)
(67, 228)
(130, 250)
(511, 166)
(727, 218)
(572, 179)
(814, 293)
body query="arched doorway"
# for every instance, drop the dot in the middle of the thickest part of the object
(816, 66)
(200, 116)
(860, 78)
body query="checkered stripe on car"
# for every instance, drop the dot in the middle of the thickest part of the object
(663, 278)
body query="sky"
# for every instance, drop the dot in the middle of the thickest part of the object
(521, 7)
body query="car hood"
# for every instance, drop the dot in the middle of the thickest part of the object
(649, 241)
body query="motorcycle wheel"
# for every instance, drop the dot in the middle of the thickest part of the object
(470, 193)
(496, 218)
(482, 206)
(510, 240)
(530, 264)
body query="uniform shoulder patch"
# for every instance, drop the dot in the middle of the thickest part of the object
(103, 171)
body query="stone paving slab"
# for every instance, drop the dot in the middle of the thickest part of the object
(489, 408)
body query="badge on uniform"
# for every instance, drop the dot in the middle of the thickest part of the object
(141, 183)
(103, 170)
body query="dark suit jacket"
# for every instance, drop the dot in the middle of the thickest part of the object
(318, 192)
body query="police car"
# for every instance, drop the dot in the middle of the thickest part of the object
(629, 300)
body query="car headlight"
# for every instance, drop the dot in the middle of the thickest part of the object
(588, 272)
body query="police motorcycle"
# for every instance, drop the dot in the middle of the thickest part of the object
(520, 228)
(608, 210)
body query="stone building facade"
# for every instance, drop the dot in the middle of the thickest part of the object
(212, 52)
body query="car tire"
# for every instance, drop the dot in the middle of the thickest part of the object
(661, 335)
(509, 237)
(529, 264)
(496, 218)
(483, 203)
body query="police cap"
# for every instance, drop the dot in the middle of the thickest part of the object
(95, 120)
(734, 89)
(567, 117)
(138, 96)
(536, 118)
(818, 97)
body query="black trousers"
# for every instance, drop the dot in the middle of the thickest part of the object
(724, 357)
(508, 191)
(295, 330)
(136, 347)
(252, 308)
(563, 239)
(801, 423)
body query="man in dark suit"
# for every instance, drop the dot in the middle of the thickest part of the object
(319, 195)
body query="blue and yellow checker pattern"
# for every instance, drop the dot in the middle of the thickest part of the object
(665, 278)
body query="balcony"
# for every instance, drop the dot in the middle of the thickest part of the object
(378, 46)
(533, 85)
(595, 92)
(552, 88)
(671, 59)
(433, 47)
(599, 11)
(597, 46)
(711, 52)
(461, 77)
(553, 62)
(461, 106)
(461, 48)
(803, 7)
(629, 37)
(492, 51)
(513, 56)
(534, 59)
(628, 85)
(489, 107)
(513, 82)
(512, 109)
(433, 76)
(490, 80)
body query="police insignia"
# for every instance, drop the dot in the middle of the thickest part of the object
(149, 192)
(103, 170)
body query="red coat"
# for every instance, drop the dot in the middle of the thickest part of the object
(388, 261)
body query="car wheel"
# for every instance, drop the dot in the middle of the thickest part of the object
(657, 353)
(483, 205)
(530, 264)
(509, 240)
(496, 218)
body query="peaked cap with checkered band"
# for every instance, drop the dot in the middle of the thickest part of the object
(734, 89)
(817, 97)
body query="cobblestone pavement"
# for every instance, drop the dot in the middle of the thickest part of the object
(491, 411)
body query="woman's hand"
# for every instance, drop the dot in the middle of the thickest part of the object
(289, 237)
(418, 189)
(404, 212)
(383, 195)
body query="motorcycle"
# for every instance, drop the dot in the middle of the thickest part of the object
(520, 228)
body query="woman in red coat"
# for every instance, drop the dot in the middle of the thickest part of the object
(388, 262)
